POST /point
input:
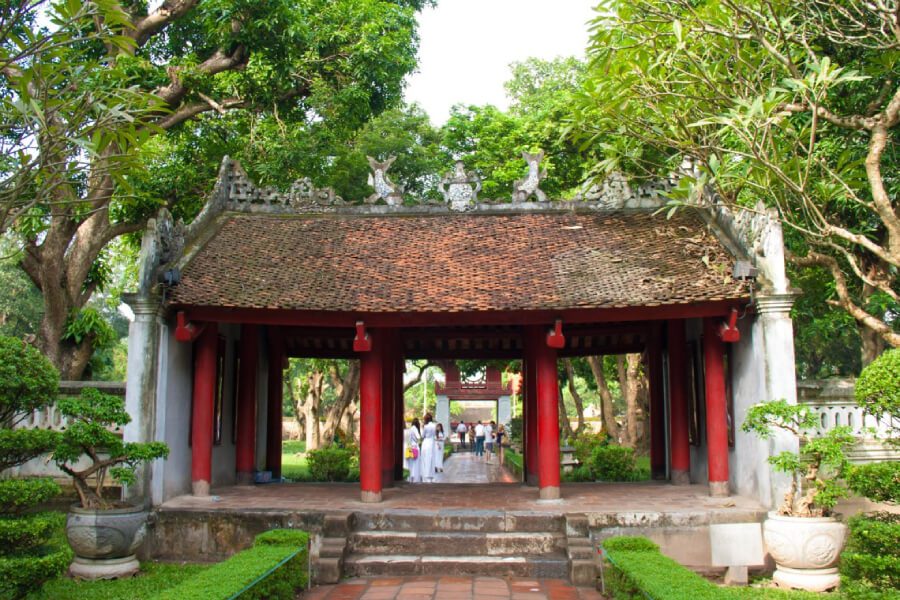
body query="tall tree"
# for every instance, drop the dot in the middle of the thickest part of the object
(793, 102)
(119, 74)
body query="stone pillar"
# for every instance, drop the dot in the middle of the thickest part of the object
(206, 349)
(780, 378)
(657, 406)
(274, 417)
(548, 420)
(533, 336)
(680, 445)
(504, 410)
(141, 389)
(245, 445)
(716, 411)
(399, 410)
(442, 413)
(370, 440)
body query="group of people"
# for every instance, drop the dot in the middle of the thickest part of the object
(483, 438)
(423, 450)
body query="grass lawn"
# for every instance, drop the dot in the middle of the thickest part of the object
(153, 578)
(293, 461)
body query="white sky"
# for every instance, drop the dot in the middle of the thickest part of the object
(467, 46)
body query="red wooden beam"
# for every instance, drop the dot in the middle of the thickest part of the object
(186, 331)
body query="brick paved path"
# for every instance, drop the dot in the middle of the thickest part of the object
(450, 588)
(465, 467)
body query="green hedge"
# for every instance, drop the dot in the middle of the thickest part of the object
(513, 461)
(275, 567)
(870, 564)
(635, 569)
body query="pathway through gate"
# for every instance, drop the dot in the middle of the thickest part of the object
(465, 467)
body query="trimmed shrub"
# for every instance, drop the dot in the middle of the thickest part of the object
(612, 463)
(585, 442)
(513, 461)
(329, 464)
(636, 569)
(276, 567)
(870, 564)
(877, 389)
(42, 555)
(580, 473)
(876, 481)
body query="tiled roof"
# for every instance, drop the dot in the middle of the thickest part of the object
(458, 262)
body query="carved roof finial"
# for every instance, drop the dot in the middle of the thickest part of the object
(523, 189)
(385, 189)
(460, 189)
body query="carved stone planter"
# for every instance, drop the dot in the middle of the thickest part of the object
(105, 541)
(805, 550)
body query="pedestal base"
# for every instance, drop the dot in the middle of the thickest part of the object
(718, 489)
(681, 477)
(812, 580)
(112, 568)
(370, 497)
(200, 488)
(549, 493)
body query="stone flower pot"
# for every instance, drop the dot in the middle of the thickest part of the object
(105, 541)
(805, 550)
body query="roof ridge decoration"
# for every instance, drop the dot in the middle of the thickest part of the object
(460, 188)
(385, 189)
(523, 189)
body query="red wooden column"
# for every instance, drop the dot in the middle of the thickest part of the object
(680, 446)
(529, 406)
(657, 405)
(716, 412)
(245, 443)
(547, 419)
(388, 398)
(205, 352)
(370, 440)
(274, 410)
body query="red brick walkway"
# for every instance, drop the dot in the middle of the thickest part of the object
(450, 588)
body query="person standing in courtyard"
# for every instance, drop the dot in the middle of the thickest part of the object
(439, 440)
(501, 434)
(472, 437)
(461, 431)
(488, 440)
(479, 439)
(411, 452)
(429, 432)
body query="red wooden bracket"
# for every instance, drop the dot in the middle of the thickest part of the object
(555, 337)
(729, 331)
(185, 331)
(362, 342)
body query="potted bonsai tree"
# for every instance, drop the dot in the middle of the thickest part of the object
(803, 538)
(103, 533)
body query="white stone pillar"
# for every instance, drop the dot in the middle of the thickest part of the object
(141, 386)
(442, 413)
(504, 411)
(774, 312)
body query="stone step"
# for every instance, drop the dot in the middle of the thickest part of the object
(487, 521)
(551, 566)
(456, 543)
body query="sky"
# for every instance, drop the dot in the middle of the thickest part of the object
(467, 46)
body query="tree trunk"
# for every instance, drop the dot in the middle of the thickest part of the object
(564, 424)
(346, 387)
(607, 411)
(576, 398)
(627, 366)
(316, 384)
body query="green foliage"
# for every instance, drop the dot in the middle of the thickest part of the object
(91, 415)
(18, 446)
(879, 482)
(20, 301)
(28, 381)
(585, 442)
(612, 463)
(89, 324)
(878, 387)
(514, 462)
(33, 550)
(870, 563)
(153, 578)
(818, 468)
(17, 495)
(329, 464)
(516, 430)
(275, 567)
(636, 570)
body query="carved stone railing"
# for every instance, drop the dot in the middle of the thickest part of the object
(50, 417)
(833, 403)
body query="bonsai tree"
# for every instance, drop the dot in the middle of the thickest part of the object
(92, 415)
(818, 468)
(28, 557)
